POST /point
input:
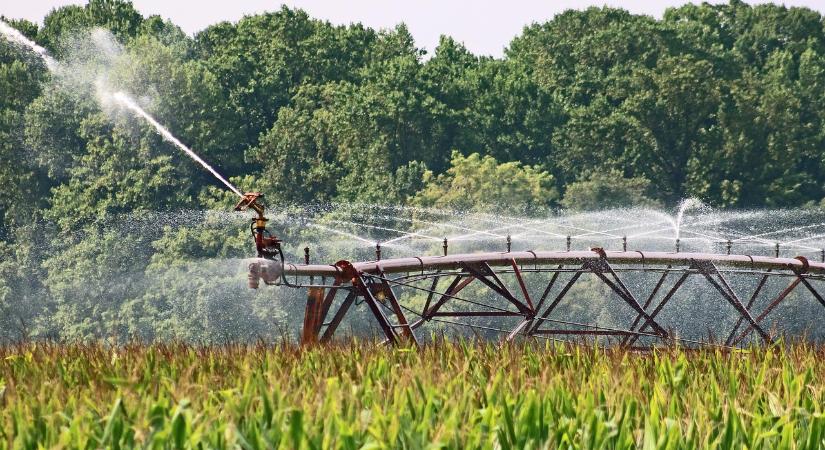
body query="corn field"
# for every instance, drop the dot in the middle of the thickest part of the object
(446, 395)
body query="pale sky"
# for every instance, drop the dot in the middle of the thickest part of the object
(484, 26)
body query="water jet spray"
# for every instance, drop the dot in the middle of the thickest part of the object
(15, 36)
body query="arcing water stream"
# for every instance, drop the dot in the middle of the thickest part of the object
(15, 36)
(131, 105)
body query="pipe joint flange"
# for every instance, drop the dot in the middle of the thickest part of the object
(806, 265)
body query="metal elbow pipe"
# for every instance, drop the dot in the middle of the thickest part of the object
(268, 270)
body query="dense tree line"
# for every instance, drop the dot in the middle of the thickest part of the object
(594, 108)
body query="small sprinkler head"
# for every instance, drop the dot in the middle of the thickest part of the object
(568, 243)
(728, 245)
(509, 243)
(624, 243)
(776, 250)
(306, 255)
(378, 251)
(678, 244)
(444, 246)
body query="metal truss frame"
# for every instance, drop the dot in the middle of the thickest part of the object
(375, 283)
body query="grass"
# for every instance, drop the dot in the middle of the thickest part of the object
(449, 395)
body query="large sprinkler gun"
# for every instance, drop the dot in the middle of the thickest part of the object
(269, 266)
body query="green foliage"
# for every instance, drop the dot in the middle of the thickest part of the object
(121, 171)
(480, 183)
(607, 190)
(448, 395)
(118, 16)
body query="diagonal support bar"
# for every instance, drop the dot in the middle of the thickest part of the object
(373, 305)
(709, 269)
(631, 300)
(406, 330)
(555, 302)
(523, 286)
(483, 272)
(779, 298)
(651, 297)
(457, 285)
(339, 316)
(660, 306)
(750, 304)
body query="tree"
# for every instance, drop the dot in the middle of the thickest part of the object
(607, 189)
(124, 169)
(117, 16)
(481, 184)
(22, 185)
(676, 103)
(262, 60)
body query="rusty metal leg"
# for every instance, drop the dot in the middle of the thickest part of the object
(312, 315)
(750, 304)
(372, 303)
(660, 306)
(339, 316)
(406, 330)
(785, 292)
(521, 326)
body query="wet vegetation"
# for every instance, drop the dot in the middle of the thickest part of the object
(448, 395)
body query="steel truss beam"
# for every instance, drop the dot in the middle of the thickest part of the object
(376, 288)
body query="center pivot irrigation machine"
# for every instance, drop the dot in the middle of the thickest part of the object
(438, 291)
(528, 294)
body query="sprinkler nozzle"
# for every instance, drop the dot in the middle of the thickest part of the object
(509, 243)
(250, 201)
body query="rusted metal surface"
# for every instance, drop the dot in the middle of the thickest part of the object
(449, 262)
(516, 313)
